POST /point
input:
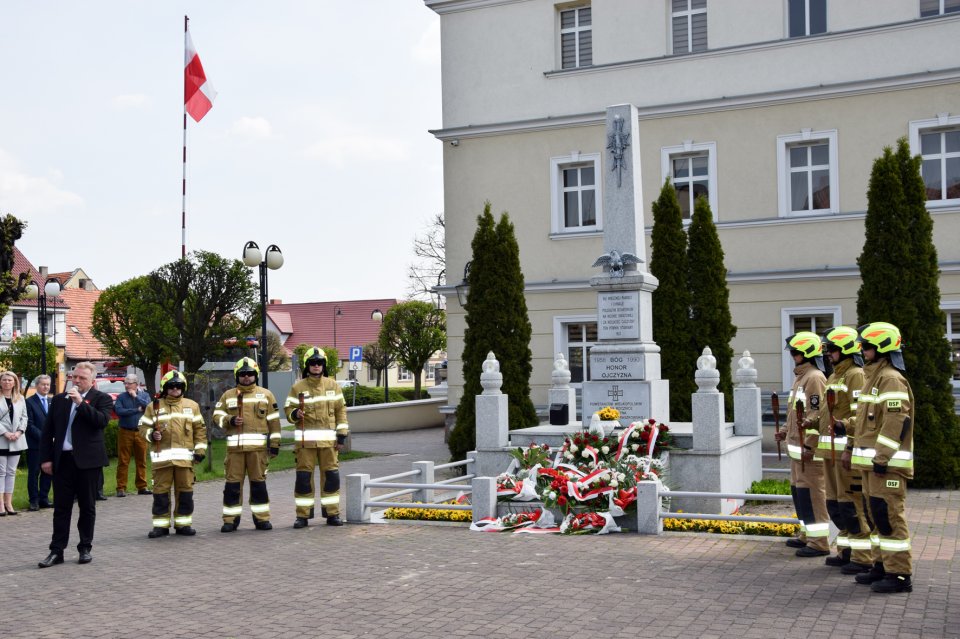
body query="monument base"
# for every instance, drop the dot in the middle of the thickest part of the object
(636, 400)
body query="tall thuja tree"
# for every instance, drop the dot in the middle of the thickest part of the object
(496, 321)
(710, 297)
(11, 289)
(671, 302)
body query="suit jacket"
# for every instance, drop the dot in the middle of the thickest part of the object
(35, 420)
(17, 421)
(91, 419)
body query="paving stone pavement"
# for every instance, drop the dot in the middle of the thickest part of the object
(405, 580)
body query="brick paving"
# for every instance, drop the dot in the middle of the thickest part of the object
(404, 580)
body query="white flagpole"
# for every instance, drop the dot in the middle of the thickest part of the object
(183, 219)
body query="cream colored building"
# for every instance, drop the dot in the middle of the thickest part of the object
(775, 109)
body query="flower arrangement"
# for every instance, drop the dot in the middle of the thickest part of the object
(640, 438)
(532, 455)
(730, 527)
(608, 413)
(423, 512)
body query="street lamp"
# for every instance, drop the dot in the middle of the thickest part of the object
(50, 289)
(272, 260)
(377, 316)
(463, 289)
(337, 312)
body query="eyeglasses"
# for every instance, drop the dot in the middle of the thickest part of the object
(247, 374)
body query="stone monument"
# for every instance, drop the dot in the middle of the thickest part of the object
(625, 362)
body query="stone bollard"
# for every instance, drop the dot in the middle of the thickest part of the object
(561, 393)
(708, 419)
(357, 496)
(491, 408)
(648, 509)
(747, 414)
(424, 495)
(484, 497)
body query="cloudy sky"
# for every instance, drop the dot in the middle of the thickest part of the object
(317, 141)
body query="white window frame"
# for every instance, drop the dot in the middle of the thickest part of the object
(689, 148)
(688, 14)
(917, 127)
(951, 333)
(784, 142)
(560, 343)
(806, 19)
(557, 165)
(576, 30)
(23, 317)
(429, 371)
(785, 332)
(403, 375)
(940, 11)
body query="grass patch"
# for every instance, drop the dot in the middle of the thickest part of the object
(216, 454)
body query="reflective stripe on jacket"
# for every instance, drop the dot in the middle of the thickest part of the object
(325, 412)
(261, 419)
(885, 402)
(846, 382)
(181, 424)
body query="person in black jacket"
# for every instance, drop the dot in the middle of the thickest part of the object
(38, 483)
(73, 451)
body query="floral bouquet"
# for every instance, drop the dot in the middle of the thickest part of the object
(600, 523)
(532, 455)
(587, 450)
(608, 413)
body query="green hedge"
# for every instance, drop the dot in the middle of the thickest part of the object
(110, 438)
(367, 395)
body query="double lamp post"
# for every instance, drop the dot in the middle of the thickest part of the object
(33, 292)
(272, 260)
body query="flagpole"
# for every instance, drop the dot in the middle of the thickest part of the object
(183, 219)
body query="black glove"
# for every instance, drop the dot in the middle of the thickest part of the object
(880, 469)
(839, 429)
(233, 421)
(197, 458)
(274, 452)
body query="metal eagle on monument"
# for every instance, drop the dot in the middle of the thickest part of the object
(616, 261)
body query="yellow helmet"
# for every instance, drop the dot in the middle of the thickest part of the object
(883, 336)
(314, 353)
(247, 365)
(173, 378)
(843, 338)
(806, 343)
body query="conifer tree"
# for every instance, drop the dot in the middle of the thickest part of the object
(496, 321)
(671, 302)
(900, 277)
(712, 324)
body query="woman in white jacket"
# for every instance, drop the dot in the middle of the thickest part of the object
(13, 425)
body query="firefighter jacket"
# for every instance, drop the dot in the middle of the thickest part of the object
(184, 434)
(846, 382)
(325, 413)
(261, 419)
(808, 386)
(884, 431)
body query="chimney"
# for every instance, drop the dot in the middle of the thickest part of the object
(276, 301)
(43, 275)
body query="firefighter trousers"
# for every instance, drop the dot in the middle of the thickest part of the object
(809, 498)
(236, 465)
(889, 536)
(180, 479)
(844, 496)
(304, 492)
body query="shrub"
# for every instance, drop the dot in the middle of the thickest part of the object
(367, 395)
(110, 435)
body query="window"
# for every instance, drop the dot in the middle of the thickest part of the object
(814, 319)
(807, 165)
(575, 337)
(429, 370)
(807, 17)
(952, 310)
(19, 323)
(692, 168)
(938, 141)
(371, 373)
(575, 197)
(689, 26)
(403, 375)
(576, 38)
(938, 7)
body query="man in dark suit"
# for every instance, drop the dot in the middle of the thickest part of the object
(72, 450)
(37, 408)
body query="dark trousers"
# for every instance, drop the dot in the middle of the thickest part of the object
(37, 495)
(69, 482)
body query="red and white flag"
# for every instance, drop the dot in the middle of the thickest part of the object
(198, 93)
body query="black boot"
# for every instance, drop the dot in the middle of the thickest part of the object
(840, 559)
(893, 583)
(334, 520)
(228, 527)
(795, 542)
(158, 532)
(263, 525)
(875, 574)
(853, 568)
(810, 551)
(301, 522)
(186, 530)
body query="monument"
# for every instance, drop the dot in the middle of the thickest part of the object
(625, 362)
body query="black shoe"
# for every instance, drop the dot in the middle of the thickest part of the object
(85, 557)
(45, 504)
(876, 573)
(301, 522)
(334, 520)
(808, 551)
(158, 532)
(840, 559)
(144, 491)
(263, 525)
(793, 542)
(893, 583)
(185, 530)
(52, 559)
(121, 493)
(853, 568)
(34, 507)
(228, 528)
(101, 497)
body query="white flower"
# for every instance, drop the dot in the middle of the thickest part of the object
(621, 476)
(585, 454)
(635, 446)
(552, 495)
(635, 434)
(614, 483)
(573, 448)
(605, 450)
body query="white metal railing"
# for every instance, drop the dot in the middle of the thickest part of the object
(768, 469)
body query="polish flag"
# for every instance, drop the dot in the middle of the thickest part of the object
(198, 94)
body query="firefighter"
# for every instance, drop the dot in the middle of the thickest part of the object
(883, 450)
(173, 425)
(843, 485)
(802, 437)
(316, 406)
(249, 416)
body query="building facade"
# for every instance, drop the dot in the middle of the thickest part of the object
(772, 109)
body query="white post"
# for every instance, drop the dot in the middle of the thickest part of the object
(746, 399)
(357, 497)
(648, 509)
(425, 468)
(491, 408)
(484, 497)
(708, 423)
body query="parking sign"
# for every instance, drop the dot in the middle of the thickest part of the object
(356, 353)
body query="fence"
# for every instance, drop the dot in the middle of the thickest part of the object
(768, 469)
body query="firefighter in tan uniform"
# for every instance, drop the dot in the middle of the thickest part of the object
(249, 416)
(320, 433)
(802, 437)
(883, 450)
(173, 425)
(844, 491)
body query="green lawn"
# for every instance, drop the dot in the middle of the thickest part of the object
(283, 461)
